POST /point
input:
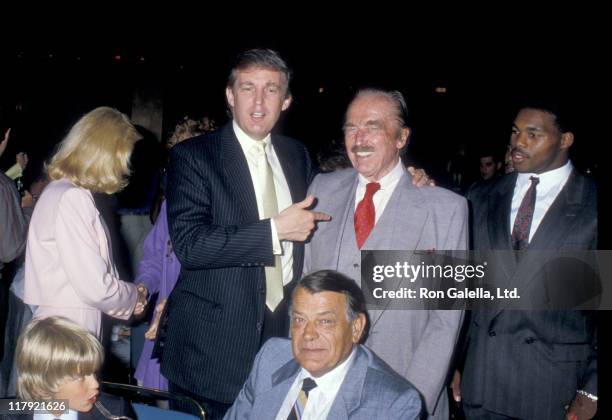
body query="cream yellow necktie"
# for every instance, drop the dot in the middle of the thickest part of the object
(274, 274)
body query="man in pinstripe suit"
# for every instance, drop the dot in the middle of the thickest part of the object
(240, 256)
(533, 364)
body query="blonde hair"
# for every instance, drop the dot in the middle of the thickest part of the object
(96, 152)
(51, 350)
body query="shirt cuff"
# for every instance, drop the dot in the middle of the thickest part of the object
(276, 245)
(14, 171)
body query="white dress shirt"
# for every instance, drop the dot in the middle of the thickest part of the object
(283, 195)
(321, 398)
(550, 185)
(71, 415)
(387, 186)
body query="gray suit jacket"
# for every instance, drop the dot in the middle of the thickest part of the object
(414, 219)
(370, 389)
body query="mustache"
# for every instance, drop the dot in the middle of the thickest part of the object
(520, 151)
(357, 149)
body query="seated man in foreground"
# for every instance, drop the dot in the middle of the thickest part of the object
(323, 372)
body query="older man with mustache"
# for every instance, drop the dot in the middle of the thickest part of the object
(374, 206)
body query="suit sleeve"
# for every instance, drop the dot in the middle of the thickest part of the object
(407, 406)
(243, 405)
(198, 242)
(90, 275)
(13, 223)
(150, 267)
(458, 237)
(436, 346)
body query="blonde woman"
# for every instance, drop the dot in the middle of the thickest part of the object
(69, 269)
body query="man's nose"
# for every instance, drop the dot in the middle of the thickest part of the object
(259, 95)
(520, 140)
(360, 136)
(310, 331)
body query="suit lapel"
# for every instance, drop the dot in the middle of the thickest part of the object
(498, 221)
(294, 174)
(343, 204)
(271, 400)
(561, 215)
(351, 391)
(237, 172)
(403, 209)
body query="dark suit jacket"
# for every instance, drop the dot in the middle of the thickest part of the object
(216, 312)
(529, 364)
(370, 390)
(116, 405)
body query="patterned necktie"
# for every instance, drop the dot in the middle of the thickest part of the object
(522, 223)
(274, 274)
(300, 404)
(365, 214)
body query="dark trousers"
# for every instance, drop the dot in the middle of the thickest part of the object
(476, 412)
(215, 410)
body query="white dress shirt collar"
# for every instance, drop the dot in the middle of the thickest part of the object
(547, 190)
(321, 398)
(247, 142)
(547, 179)
(387, 181)
(329, 384)
(71, 415)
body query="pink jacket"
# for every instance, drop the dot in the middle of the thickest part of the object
(69, 269)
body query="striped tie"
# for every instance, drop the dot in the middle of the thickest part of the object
(300, 404)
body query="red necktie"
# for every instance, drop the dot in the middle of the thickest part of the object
(522, 223)
(365, 214)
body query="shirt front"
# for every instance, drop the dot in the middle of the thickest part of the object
(71, 415)
(321, 398)
(283, 194)
(387, 186)
(550, 185)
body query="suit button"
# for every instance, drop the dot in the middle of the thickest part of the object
(355, 265)
(258, 326)
(492, 333)
(529, 340)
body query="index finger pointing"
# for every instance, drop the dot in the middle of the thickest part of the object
(321, 217)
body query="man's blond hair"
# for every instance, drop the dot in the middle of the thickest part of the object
(51, 350)
(96, 152)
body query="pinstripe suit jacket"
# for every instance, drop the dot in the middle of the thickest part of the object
(215, 314)
(529, 364)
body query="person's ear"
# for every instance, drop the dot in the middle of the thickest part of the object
(403, 138)
(229, 95)
(287, 102)
(567, 139)
(358, 325)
